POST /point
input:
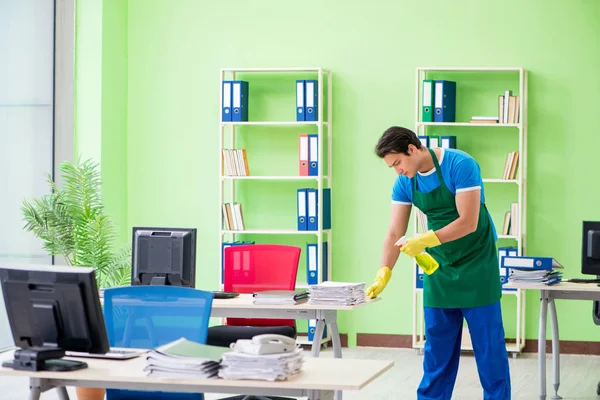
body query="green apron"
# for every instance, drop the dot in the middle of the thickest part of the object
(468, 275)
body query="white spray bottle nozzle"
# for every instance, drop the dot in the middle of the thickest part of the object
(401, 241)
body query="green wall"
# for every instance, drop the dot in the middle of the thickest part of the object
(175, 51)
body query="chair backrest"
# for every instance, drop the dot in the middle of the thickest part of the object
(150, 316)
(257, 267)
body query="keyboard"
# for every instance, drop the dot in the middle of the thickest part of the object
(584, 280)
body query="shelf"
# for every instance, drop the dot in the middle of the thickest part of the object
(508, 237)
(274, 123)
(274, 232)
(273, 178)
(492, 180)
(283, 69)
(472, 69)
(466, 124)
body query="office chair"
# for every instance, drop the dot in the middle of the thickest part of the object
(150, 316)
(252, 268)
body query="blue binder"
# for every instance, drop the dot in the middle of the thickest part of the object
(300, 103)
(419, 282)
(313, 209)
(316, 264)
(445, 101)
(311, 98)
(226, 102)
(302, 209)
(239, 98)
(424, 140)
(525, 263)
(312, 326)
(313, 155)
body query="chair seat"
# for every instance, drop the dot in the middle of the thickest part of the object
(224, 335)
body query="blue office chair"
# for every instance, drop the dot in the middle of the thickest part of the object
(150, 316)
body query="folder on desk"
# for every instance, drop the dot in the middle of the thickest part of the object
(303, 155)
(313, 209)
(302, 208)
(448, 142)
(424, 140)
(239, 100)
(226, 102)
(311, 98)
(527, 262)
(313, 155)
(445, 101)
(312, 327)
(316, 264)
(427, 114)
(300, 104)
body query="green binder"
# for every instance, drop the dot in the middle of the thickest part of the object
(427, 114)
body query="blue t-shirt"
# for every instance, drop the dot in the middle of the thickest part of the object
(460, 171)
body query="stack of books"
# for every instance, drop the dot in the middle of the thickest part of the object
(337, 293)
(184, 359)
(523, 269)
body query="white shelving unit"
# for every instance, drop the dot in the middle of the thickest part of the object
(520, 128)
(323, 125)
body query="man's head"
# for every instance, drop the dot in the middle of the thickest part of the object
(401, 149)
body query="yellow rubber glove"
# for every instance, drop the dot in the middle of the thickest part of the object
(381, 280)
(418, 244)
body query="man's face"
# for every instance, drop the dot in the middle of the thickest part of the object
(403, 164)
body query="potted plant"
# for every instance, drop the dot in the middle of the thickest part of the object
(71, 223)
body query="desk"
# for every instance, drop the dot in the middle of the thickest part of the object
(563, 290)
(243, 306)
(318, 380)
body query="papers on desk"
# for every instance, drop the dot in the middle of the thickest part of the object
(269, 367)
(283, 297)
(337, 293)
(184, 359)
(535, 276)
(527, 269)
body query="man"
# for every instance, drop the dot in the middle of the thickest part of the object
(446, 185)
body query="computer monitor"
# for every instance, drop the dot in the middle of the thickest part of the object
(51, 310)
(590, 248)
(163, 256)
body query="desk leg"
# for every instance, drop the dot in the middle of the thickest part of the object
(555, 348)
(335, 338)
(62, 393)
(34, 393)
(316, 344)
(542, 343)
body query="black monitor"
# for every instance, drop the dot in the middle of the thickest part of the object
(51, 310)
(163, 256)
(590, 248)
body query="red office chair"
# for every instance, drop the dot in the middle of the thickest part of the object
(251, 268)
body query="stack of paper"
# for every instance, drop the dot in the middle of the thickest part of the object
(528, 269)
(269, 367)
(284, 297)
(337, 293)
(184, 359)
(547, 277)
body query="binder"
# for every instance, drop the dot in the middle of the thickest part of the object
(424, 140)
(510, 252)
(502, 252)
(303, 155)
(312, 327)
(448, 142)
(419, 282)
(445, 101)
(311, 98)
(313, 155)
(427, 114)
(525, 263)
(226, 102)
(313, 209)
(224, 245)
(316, 265)
(300, 103)
(239, 101)
(301, 207)
(434, 141)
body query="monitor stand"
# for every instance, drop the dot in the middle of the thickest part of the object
(43, 359)
(158, 280)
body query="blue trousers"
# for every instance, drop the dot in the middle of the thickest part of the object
(443, 335)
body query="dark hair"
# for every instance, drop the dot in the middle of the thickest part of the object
(395, 140)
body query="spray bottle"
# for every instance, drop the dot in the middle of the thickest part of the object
(425, 261)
